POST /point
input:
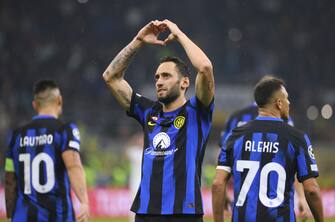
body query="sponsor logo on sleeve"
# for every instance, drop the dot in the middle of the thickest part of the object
(311, 153)
(314, 167)
(76, 134)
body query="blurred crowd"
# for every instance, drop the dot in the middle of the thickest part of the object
(73, 41)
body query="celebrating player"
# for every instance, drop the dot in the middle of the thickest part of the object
(264, 155)
(41, 163)
(175, 129)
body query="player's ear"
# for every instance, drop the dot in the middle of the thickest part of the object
(60, 100)
(279, 103)
(185, 82)
(35, 105)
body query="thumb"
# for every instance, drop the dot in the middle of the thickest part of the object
(169, 38)
(159, 42)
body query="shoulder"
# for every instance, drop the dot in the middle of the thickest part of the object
(295, 134)
(142, 100)
(195, 103)
(70, 127)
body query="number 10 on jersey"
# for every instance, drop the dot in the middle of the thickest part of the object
(32, 172)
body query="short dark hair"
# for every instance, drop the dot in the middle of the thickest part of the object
(265, 89)
(180, 64)
(44, 85)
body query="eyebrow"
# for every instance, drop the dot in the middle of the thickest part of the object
(163, 73)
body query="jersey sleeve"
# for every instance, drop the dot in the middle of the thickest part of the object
(138, 107)
(225, 159)
(71, 138)
(205, 111)
(9, 161)
(306, 163)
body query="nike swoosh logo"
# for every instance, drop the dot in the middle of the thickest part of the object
(150, 123)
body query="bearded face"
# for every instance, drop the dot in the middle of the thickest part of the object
(169, 85)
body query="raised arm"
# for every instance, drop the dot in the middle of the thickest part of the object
(114, 74)
(204, 84)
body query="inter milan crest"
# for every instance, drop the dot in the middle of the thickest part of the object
(179, 122)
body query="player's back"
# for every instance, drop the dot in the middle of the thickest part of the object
(265, 154)
(43, 183)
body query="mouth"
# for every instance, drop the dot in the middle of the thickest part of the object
(161, 90)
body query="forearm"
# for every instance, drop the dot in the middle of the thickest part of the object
(315, 204)
(10, 193)
(119, 64)
(78, 183)
(197, 57)
(300, 190)
(218, 197)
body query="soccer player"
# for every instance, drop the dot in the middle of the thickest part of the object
(243, 116)
(42, 161)
(264, 155)
(175, 129)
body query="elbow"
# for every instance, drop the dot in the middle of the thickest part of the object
(106, 76)
(312, 191)
(206, 67)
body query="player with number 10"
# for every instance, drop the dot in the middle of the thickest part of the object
(43, 163)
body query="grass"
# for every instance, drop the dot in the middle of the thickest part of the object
(206, 220)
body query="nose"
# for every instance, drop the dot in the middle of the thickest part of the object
(159, 82)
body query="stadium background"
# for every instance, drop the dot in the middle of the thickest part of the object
(72, 42)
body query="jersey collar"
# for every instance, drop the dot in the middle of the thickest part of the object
(269, 118)
(44, 117)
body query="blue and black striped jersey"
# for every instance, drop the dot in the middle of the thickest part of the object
(34, 155)
(264, 156)
(240, 118)
(174, 147)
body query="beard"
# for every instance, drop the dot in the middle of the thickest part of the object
(171, 96)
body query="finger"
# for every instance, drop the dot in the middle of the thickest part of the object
(159, 26)
(169, 38)
(167, 22)
(159, 42)
(82, 218)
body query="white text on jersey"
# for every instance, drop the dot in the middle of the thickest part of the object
(36, 140)
(261, 146)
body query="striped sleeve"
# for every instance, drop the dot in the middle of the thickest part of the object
(194, 101)
(306, 163)
(225, 156)
(138, 106)
(71, 138)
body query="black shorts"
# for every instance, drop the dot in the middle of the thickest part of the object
(168, 218)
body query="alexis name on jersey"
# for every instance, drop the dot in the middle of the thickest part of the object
(261, 146)
(36, 140)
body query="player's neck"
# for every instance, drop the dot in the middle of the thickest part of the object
(180, 101)
(267, 112)
(49, 111)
